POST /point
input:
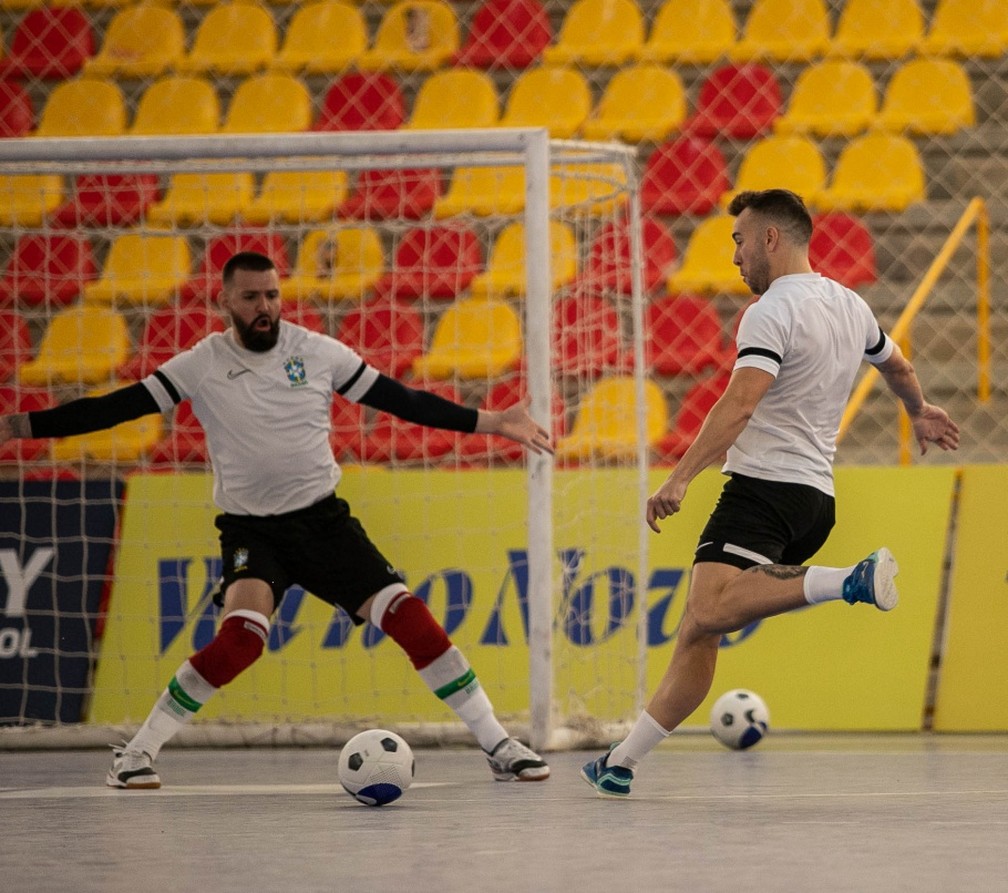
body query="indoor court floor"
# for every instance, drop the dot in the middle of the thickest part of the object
(797, 813)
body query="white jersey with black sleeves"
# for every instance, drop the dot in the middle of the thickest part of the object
(266, 415)
(811, 334)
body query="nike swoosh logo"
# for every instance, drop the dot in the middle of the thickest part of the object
(234, 373)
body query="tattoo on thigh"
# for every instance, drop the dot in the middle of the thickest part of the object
(780, 571)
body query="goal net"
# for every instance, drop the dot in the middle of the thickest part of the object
(482, 265)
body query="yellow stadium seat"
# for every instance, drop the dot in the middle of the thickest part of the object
(27, 199)
(84, 107)
(875, 172)
(598, 32)
(835, 97)
(505, 272)
(337, 265)
(193, 199)
(236, 38)
(707, 261)
(142, 41)
(473, 338)
(782, 162)
(784, 31)
(455, 97)
(414, 35)
(872, 30)
(141, 269)
(269, 103)
(483, 191)
(82, 344)
(605, 426)
(929, 96)
(127, 442)
(297, 197)
(968, 28)
(177, 105)
(596, 189)
(308, 45)
(556, 98)
(691, 32)
(641, 102)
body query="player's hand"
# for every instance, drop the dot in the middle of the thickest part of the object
(933, 425)
(516, 424)
(665, 502)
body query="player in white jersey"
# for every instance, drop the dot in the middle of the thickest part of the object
(799, 349)
(263, 391)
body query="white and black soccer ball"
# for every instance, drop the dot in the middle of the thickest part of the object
(376, 766)
(739, 719)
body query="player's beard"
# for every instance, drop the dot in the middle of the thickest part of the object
(758, 275)
(258, 340)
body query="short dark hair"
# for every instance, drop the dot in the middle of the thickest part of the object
(782, 207)
(246, 260)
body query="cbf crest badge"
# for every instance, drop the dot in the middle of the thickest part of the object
(295, 369)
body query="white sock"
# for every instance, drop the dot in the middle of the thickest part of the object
(644, 737)
(185, 694)
(452, 679)
(825, 584)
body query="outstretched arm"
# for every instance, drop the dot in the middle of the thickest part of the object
(516, 424)
(931, 424)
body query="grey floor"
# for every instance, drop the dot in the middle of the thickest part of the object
(822, 813)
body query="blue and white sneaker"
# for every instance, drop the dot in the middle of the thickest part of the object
(608, 781)
(873, 581)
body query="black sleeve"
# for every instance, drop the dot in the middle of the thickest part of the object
(93, 413)
(419, 406)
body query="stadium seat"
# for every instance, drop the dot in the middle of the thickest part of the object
(686, 175)
(784, 31)
(269, 103)
(388, 334)
(834, 97)
(644, 102)
(587, 339)
(505, 275)
(483, 191)
(684, 336)
(414, 35)
(843, 249)
(596, 189)
(557, 98)
(143, 41)
(51, 43)
(143, 269)
(305, 314)
(878, 31)
(126, 442)
(598, 32)
(204, 286)
(83, 107)
(506, 33)
(108, 200)
(168, 331)
(80, 345)
(691, 414)
(455, 98)
(15, 343)
(691, 32)
(196, 199)
(707, 261)
(235, 38)
(968, 28)
(928, 96)
(392, 194)
(736, 101)
(297, 197)
(784, 162)
(17, 398)
(337, 265)
(605, 424)
(26, 200)
(473, 338)
(17, 113)
(185, 443)
(391, 438)
(433, 262)
(308, 44)
(362, 101)
(47, 269)
(177, 105)
(875, 172)
(609, 266)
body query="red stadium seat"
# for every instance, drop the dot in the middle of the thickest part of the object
(108, 200)
(205, 285)
(393, 439)
(506, 34)
(686, 175)
(843, 249)
(15, 343)
(23, 399)
(303, 313)
(47, 269)
(392, 194)
(17, 115)
(695, 406)
(739, 101)
(433, 262)
(609, 266)
(362, 101)
(586, 337)
(51, 43)
(185, 444)
(388, 334)
(169, 330)
(684, 336)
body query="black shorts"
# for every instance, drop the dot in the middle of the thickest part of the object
(322, 547)
(766, 522)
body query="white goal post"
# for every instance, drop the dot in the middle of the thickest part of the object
(582, 542)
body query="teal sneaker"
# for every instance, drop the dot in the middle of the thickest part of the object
(608, 781)
(873, 581)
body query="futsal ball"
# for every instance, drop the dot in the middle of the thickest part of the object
(376, 766)
(739, 719)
